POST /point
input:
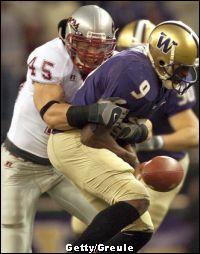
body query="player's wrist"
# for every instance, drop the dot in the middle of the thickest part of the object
(79, 116)
(158, 142)
(103, 113)
(154, 143)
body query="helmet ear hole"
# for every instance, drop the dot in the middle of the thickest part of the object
(62, 28)
(161, 63)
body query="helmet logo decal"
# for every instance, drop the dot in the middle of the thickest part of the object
(165, 44)
(73, 23)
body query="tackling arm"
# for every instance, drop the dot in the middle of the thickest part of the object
(55, 116)
(63, 116)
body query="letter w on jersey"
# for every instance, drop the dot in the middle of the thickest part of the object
(165, 43)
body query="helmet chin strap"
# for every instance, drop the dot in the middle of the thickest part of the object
(81, 66)
(77, 60)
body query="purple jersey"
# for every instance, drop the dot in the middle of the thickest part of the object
(175, 104)
(130, 76)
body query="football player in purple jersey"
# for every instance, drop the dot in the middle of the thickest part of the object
(144, 77)
(175, 125)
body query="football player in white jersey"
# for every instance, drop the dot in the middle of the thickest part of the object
(85, 40)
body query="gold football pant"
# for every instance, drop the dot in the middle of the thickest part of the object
(103, 177)
(159, 203)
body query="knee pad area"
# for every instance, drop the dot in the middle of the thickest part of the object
(13, 219)
(132, 191)
(11, 226)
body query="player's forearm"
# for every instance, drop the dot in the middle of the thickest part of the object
(181, 139)
(55, 117)
(132, 150)
(99, 137)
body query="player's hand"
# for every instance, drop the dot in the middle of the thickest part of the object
(130, 132)
(144, 121)
(138, 171)
(107, 112)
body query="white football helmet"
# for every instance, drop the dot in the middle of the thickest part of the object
(89, 36)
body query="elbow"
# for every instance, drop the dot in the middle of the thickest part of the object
(194, 140)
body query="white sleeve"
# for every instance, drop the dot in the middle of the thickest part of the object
(47, 65)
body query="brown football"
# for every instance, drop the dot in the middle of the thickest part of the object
(162, 173)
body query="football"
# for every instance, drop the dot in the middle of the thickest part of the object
(162, 173)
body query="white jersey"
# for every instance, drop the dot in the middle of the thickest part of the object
(49, 63)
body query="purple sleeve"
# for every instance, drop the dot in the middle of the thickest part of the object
(109, 80)
(177, 103)
(91, 90)
(128, 76)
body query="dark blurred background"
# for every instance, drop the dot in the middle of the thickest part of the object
(27, 25)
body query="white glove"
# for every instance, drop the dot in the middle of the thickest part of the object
(154, 143)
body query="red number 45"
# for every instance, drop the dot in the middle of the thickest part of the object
(46, 73)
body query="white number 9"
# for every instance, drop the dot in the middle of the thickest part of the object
(144, 89)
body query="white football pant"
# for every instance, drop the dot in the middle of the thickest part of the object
(22, 183)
